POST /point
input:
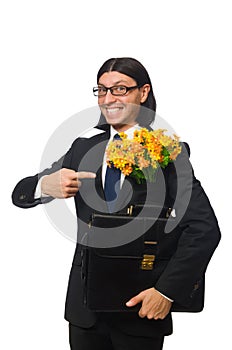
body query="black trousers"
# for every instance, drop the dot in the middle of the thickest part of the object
(105, 336)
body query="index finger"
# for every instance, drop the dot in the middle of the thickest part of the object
(85, 175)
(135, 300)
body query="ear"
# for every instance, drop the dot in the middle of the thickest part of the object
(145, 89)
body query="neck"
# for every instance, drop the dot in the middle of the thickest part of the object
(123, 127)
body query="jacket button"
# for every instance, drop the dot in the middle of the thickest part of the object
(22, 197)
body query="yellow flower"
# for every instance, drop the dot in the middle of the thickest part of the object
(147, 150)
(122, 135)
(143, 163)
(127, 170)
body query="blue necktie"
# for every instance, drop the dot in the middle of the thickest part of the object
(112, 183)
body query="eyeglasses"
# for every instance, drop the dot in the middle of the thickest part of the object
(118, 90)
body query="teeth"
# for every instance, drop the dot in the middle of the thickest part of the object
(112, 110)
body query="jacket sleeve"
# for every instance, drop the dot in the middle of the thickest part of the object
(200, 233)
(23, 193)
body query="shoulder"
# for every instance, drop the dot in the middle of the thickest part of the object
(186, 148)
(92, 132)
(92, 142)
(90, 135)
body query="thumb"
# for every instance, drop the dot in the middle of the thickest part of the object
(135, 300)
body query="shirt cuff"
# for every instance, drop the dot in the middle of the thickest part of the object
(38, 191)
(165, 296)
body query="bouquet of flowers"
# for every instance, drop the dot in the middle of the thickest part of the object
(141, 156)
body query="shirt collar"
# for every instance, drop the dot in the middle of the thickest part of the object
(129, 132)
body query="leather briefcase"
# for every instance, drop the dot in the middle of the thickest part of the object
(113, 275)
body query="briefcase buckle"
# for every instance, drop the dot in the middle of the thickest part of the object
(147, 262)
(130, 210)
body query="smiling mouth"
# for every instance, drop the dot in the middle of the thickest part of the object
(112, 110)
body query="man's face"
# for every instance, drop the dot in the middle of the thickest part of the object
(121, 111)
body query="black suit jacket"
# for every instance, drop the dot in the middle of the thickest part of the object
(189, 252)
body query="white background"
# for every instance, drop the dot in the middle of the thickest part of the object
(50, 54)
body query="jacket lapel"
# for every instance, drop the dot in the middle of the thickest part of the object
(103, 140)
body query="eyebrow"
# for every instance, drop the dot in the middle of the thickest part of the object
(117, 82)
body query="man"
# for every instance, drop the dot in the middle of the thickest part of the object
(124, 87)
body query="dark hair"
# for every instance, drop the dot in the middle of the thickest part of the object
(134, 69)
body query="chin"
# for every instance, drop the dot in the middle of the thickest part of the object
(113, 121)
